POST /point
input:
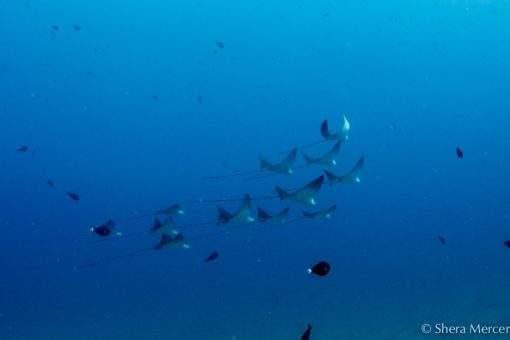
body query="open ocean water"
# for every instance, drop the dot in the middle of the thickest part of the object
(128, 105)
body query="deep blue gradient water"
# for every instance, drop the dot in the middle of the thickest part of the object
(112, 112)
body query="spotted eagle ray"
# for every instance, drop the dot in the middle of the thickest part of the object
(326, 213)
(168, 227)
(351, 177)
(166, 241)
(327, 159)
(283, 167)
(242, 214)
(304, 195)
(172, 210)
(103, 230)
(279, 218)
(342, 135)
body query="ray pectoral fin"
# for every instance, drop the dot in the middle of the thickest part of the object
(284, 212)
(264, 164)
(156, 226)
(223, 216)
(262, 215)
(291, 158)
(352, 176)
(331, 176)
(309, 160)
(281, 193)
(360, 164)
(313, 187)
(325, 130)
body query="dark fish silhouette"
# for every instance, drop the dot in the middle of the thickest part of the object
(23, 148)
(306, 334)
(220, 44)
(73, 196)
(76, 27)
(321, 269)
(54, 27)
(460, 153)
(213, 256)
(442, 239)
(507, 243)
(199, 100)
(50, 183)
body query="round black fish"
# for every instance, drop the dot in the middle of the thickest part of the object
(460, 153)
(102, 231)
(321, 269)
(442, 239)
(507, 243)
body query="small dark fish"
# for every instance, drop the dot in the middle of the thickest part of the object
(24, 148)
(214, 255)
(73, 196)
(460, 153)
(306, 334)
(50, 183)
(199, 100)
(322, 269)
(507, 243)
(220, 44)
(88, 73)
(155, 97)
(76, 27)
(54, 27)
(442, 239)
(47, 64)
(52, 33)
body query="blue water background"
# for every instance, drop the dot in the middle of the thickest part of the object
(416, 79)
